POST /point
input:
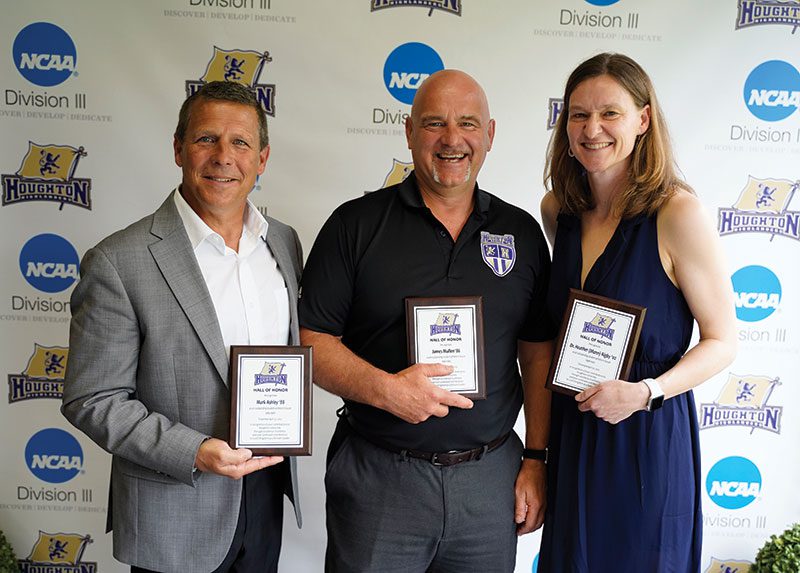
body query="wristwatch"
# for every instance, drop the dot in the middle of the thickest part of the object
(529, 454)
(656, 399)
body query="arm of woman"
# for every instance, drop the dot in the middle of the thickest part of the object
(693, 259)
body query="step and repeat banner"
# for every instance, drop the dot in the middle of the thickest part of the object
(88, 103)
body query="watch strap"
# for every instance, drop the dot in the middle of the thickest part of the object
(656, 399)
(530, 454)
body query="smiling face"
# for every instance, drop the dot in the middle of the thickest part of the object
(449, 133)
(602, 126)
(220, 158)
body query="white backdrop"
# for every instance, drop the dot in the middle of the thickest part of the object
(109, 77)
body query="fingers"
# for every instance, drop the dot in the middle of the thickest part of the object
(259, 463)
(230, 457)
(588, 393)
(445, 397)
(216, 456)
(438, 369)
(612, 400)
(529, 495)
(529, 524)
(214, 452)
(440, 402)
(520, 509)
(528, 514)
(415, 398)
(455, 400)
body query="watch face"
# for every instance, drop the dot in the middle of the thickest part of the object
(656, 403)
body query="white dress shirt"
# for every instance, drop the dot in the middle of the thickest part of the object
(247, 289)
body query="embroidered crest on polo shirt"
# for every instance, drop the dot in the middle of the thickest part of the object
(498, 252)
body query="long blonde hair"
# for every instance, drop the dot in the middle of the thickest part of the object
(653, 176)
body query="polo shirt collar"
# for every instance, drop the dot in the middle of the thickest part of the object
(410, 195)
(255, 225)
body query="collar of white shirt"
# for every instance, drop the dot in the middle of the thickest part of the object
(255, 227)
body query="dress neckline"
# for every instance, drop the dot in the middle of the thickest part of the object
(611, 253)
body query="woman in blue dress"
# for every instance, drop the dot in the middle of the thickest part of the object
(624, 471)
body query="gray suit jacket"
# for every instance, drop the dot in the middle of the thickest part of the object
(147, 380)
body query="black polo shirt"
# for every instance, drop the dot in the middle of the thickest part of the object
(378, 249)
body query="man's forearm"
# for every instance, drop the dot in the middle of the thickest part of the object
(410, 395)
(339, 371)
(534, 359)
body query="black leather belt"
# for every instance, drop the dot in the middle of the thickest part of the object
(453, 457)
(450, 458)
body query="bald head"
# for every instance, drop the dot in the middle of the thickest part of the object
(449, 82)
(449, 133)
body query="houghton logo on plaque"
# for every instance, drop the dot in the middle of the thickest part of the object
(272, 373)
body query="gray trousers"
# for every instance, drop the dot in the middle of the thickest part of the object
(388, 513)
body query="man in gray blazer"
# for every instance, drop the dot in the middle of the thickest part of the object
(154, 314)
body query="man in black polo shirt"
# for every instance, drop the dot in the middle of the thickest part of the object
(394, 502)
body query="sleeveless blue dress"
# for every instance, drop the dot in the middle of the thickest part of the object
(624, 497)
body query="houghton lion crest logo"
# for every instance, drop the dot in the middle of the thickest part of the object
(271, 373)
(398, 173)
(58, 553)
(600, 325)
(766, 12)
(446, 324)
(449, 6)
(46, 174)
(743, 402)
(43, 377)
(498, 252)
(728, 566)
(240, 66)
(762, 208)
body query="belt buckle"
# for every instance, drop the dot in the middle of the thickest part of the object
(435, 457)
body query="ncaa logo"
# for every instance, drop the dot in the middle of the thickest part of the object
(733, 482)
(407, 67)
(758, 293)
(44, 54)
(772, 90)
(54, 455)
(49, 263)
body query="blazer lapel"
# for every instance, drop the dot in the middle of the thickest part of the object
(282, 256)
(174, 256)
